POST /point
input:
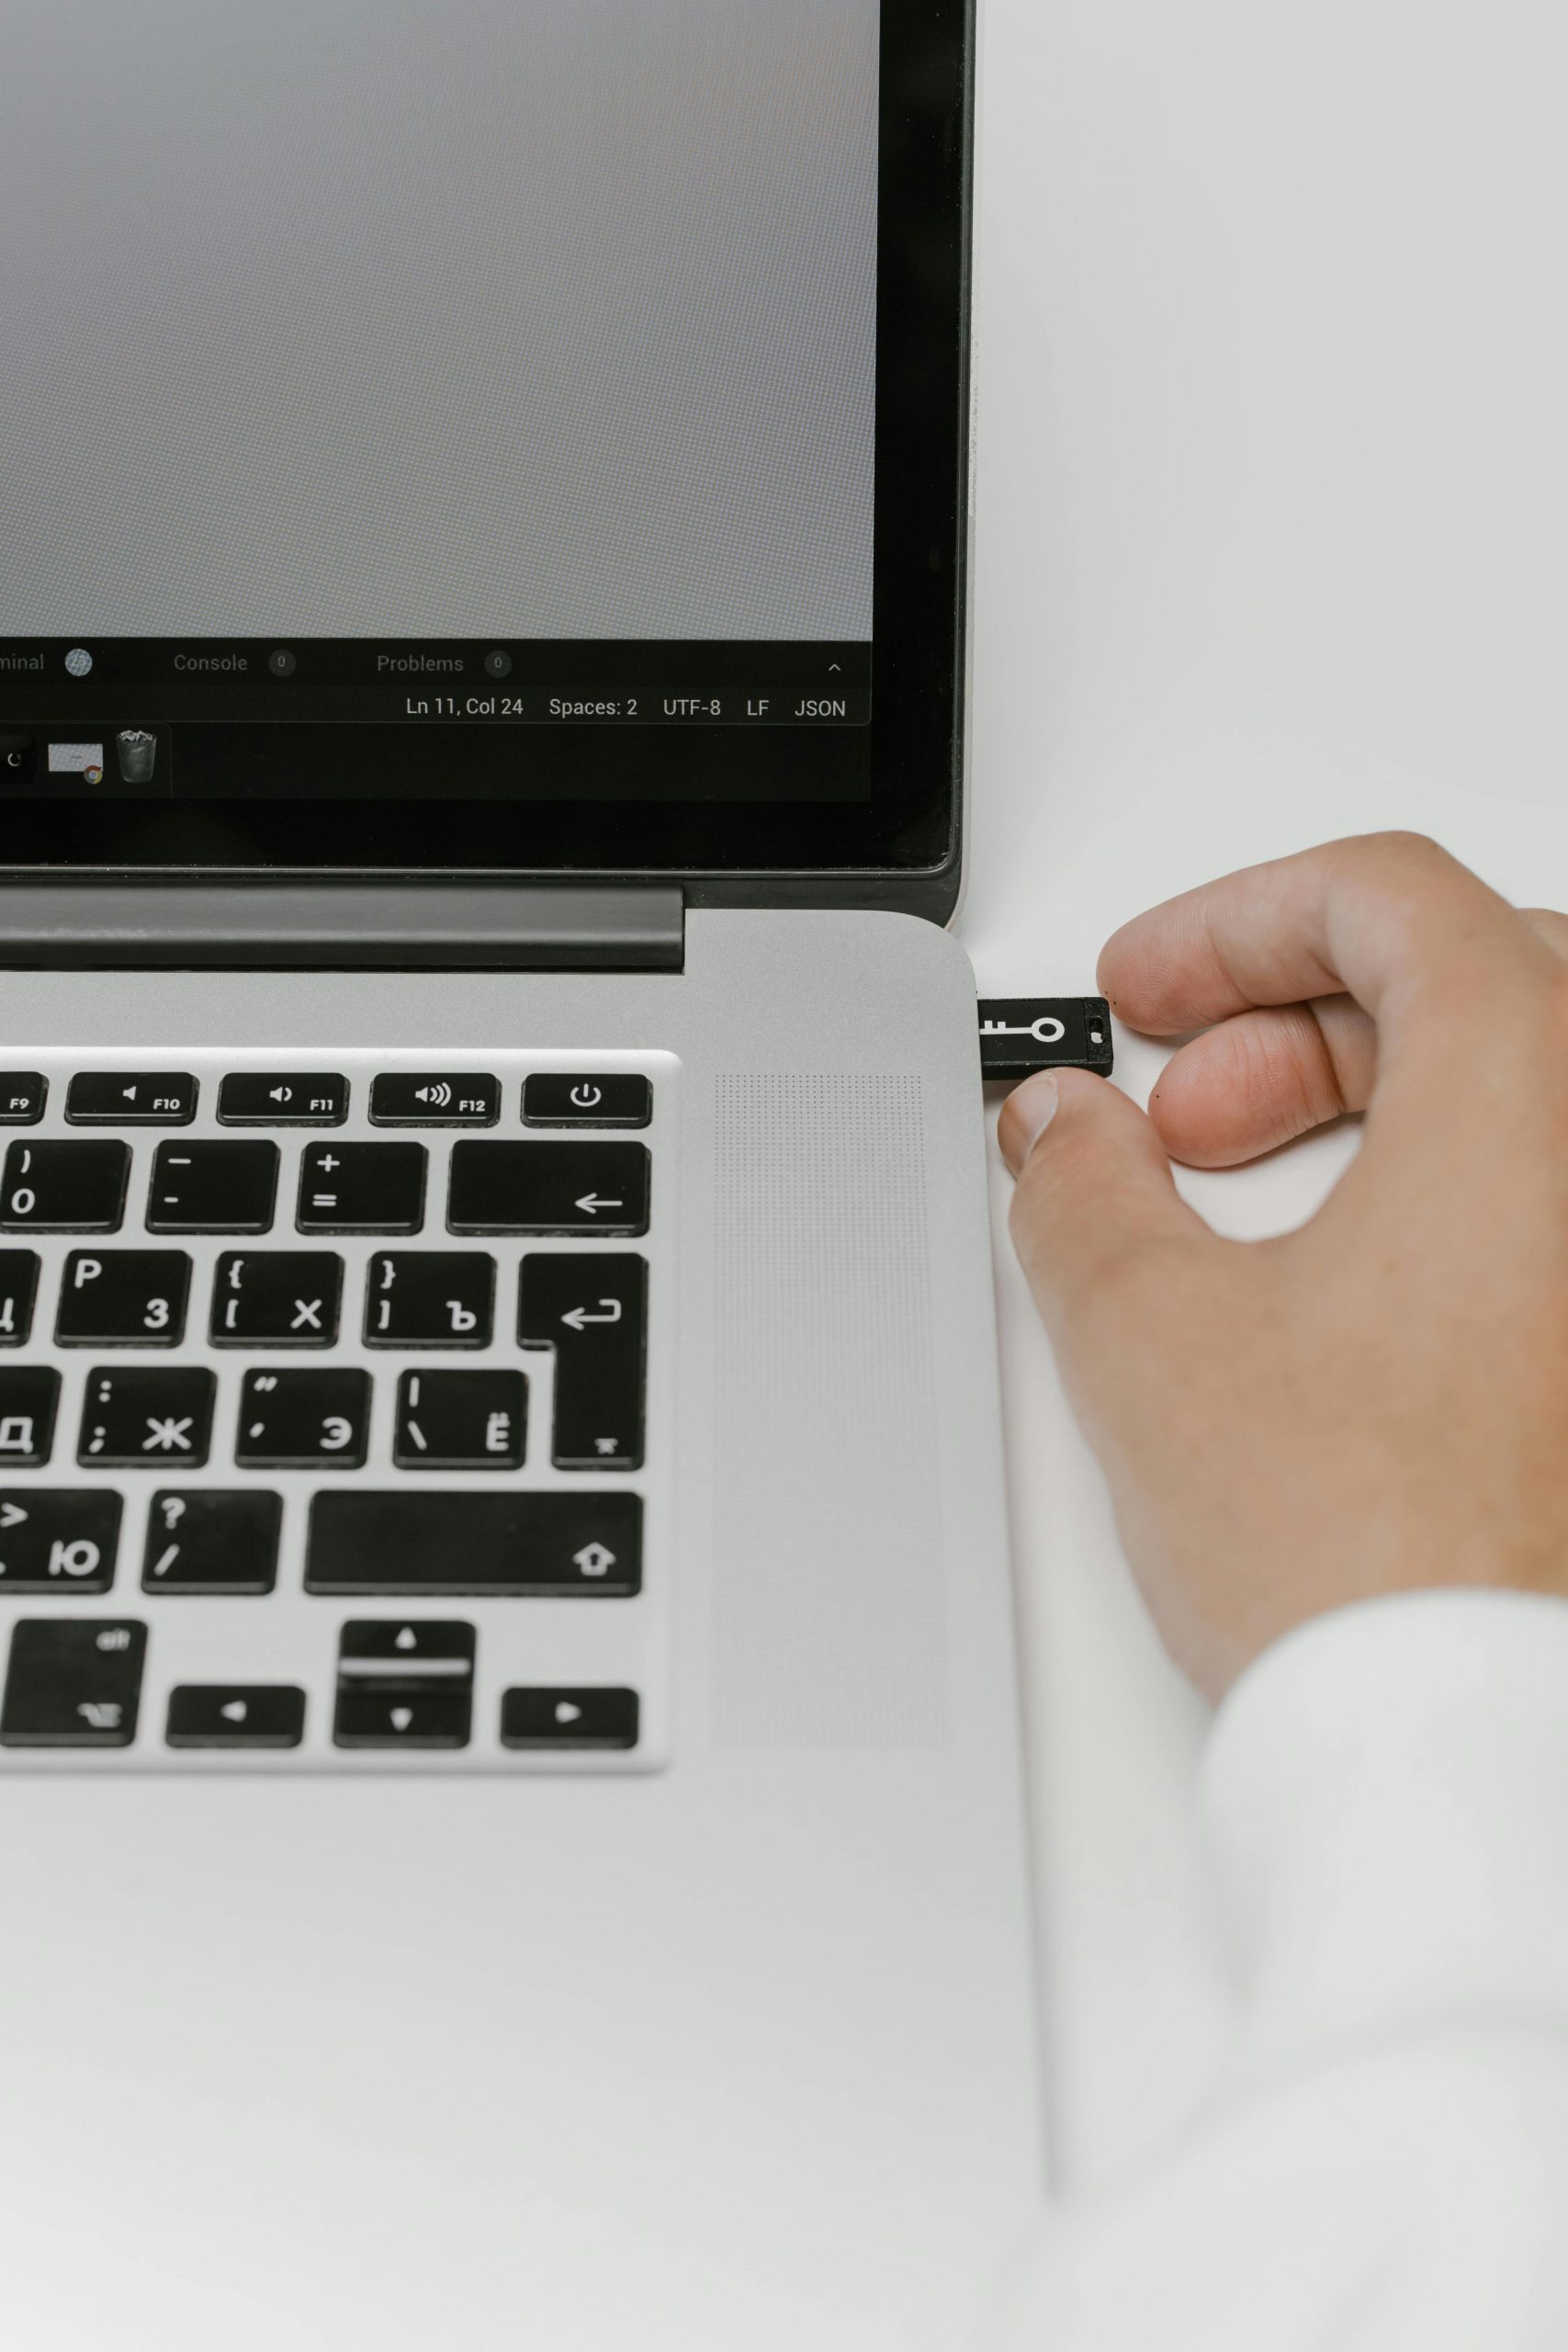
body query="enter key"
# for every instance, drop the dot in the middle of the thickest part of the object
(593, 1310)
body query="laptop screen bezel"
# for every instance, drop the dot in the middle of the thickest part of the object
(899, 845)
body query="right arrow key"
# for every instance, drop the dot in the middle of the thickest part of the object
(593, 1310)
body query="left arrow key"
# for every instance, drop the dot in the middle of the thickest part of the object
(58, 1540)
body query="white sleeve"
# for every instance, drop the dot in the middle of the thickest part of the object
(1383, 2163)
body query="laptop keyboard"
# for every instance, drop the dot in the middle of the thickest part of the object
(332, 1423)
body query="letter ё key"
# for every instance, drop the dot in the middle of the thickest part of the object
(549, 1188)
(64, 1187)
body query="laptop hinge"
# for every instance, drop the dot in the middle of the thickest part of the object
(246, 921)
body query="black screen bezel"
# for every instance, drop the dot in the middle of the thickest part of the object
(901, 842)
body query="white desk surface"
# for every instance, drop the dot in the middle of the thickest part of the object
(1272, 546)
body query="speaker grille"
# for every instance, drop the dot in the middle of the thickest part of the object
(828, 1625)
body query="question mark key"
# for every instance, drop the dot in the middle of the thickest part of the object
(209, 1540)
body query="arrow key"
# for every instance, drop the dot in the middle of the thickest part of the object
(229, 1715)
(368, 1716)
(568, 1719)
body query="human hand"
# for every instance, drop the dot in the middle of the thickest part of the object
(1378, 1402)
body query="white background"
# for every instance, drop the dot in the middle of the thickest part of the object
(1272, 546)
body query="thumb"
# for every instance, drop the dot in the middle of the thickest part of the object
(1095, 1208)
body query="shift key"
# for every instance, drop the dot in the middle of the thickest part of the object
(449, 1545)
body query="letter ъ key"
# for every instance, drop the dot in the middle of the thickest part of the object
(430, 1298)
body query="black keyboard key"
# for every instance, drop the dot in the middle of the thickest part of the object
(403, 1544)
(64, 1187)
(212, 1188)
(29, 1398)
(207, 1541)
(130, 1298)
(460, 1420)
(276, 1298)
(362, 1188)
(129, 1098)
(563, 1720)
(23, 1093)
(604, 1100)
(365, 1717)
(298, 1421)
(430, 1298)
(235, 1715)
(435, 1099)
(413, 1657)
(593, 1310)
(58, 1539)
(549, 1188)
(404, 1686)
(19, 1296)
(72, 1682)
(145, 1421)
(268, 1099)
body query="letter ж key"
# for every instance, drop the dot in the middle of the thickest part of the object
(145, 1421)
(593, 1310)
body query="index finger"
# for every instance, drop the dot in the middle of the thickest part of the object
(1386, 918)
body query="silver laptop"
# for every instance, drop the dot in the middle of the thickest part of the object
(510, 1809)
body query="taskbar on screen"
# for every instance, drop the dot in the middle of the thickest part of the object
(160, 718)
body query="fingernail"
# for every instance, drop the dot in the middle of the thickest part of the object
(1026, 1114)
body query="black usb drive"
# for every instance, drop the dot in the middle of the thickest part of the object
(1020, 1034)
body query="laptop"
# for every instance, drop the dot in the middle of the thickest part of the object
(511, 1826)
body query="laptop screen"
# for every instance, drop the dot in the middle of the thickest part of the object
(447, 405)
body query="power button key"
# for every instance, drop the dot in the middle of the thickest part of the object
(587, 1099)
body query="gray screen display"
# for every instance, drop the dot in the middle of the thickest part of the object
(410, 318)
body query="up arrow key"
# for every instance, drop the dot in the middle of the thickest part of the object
(234, 1712)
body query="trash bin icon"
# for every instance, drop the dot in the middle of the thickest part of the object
(138, 752)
